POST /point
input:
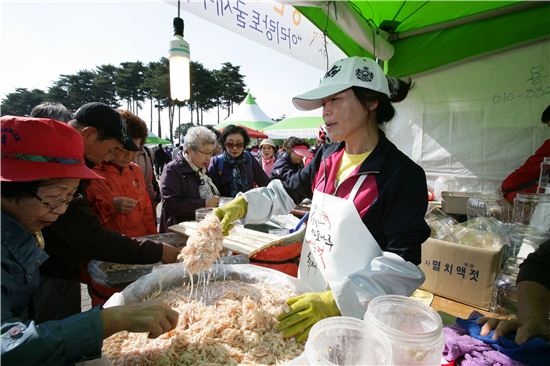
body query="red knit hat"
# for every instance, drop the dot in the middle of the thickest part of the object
(41, 148)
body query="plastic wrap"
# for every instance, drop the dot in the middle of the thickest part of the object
(441, 224)
(168, 276)
(482, 232)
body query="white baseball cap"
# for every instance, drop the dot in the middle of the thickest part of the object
(267, 142)
(342, 75)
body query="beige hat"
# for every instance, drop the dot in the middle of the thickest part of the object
(343, 74)
(267, 142)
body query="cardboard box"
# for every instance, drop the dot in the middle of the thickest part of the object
(456, 202)
(459, 272)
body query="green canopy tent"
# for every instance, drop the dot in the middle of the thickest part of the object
(302, 126)
(480, 72)
(153, 139)
(247, 114)
(417, 36)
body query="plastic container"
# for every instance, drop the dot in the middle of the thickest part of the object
(200, 213)
(488, 205)
(505, 298)
(544, 177)
(524, 240)
(343, 340)
(532, 209)
(414, 330)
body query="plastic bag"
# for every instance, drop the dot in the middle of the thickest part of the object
(482, 232)
(168, 276)
(119, 275)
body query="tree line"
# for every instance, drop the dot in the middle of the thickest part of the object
(132, 84)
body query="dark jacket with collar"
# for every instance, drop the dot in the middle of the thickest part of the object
(58, 342)
(392, 200)
(179, 188)
(221, 174)
(284, 168)
(21, 259)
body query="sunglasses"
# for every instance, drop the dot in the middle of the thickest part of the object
(231, 145)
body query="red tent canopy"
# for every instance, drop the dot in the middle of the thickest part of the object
(253, 134)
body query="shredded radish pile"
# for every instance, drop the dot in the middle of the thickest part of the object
(235, 324)
(203, 246)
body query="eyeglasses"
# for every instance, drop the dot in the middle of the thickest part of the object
(210, 153)
(52, 205)
(231, 145)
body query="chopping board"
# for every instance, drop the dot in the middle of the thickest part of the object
(243, 240)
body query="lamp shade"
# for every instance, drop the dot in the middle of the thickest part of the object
(180, 83)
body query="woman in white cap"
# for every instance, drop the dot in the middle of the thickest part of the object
(366, 222)
(42, 165)
(267, 156)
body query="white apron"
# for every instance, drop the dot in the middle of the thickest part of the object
(337, 242)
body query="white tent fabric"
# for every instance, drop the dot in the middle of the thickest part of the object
(248, 111)
(476, 122)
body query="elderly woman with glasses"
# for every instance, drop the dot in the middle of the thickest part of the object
(236, 170)
(40, 177)
(184, 184)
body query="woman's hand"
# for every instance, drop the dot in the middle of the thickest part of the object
(213, 201)
(153, 317)
(169, 253)
(124, 205)
(524, 331)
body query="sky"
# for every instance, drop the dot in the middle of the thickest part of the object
(40, 40)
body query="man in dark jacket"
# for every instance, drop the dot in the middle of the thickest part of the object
(78, 236)
(161, 159)
(296, 149)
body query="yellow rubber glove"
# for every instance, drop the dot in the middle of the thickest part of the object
(231, 212)
(306, 310)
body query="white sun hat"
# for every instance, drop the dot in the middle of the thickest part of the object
(343, 74)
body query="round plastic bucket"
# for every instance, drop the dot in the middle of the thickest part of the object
(414, 330)
(343, 340)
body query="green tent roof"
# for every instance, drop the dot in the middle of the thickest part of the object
(154, 139)
(430, 34)
(304, 127)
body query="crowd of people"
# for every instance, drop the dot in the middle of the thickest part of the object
(90, 191)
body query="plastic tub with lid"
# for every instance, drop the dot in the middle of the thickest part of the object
(414, 330)
(343, 340)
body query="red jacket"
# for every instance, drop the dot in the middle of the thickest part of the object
(525, 179)
(126, 183)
